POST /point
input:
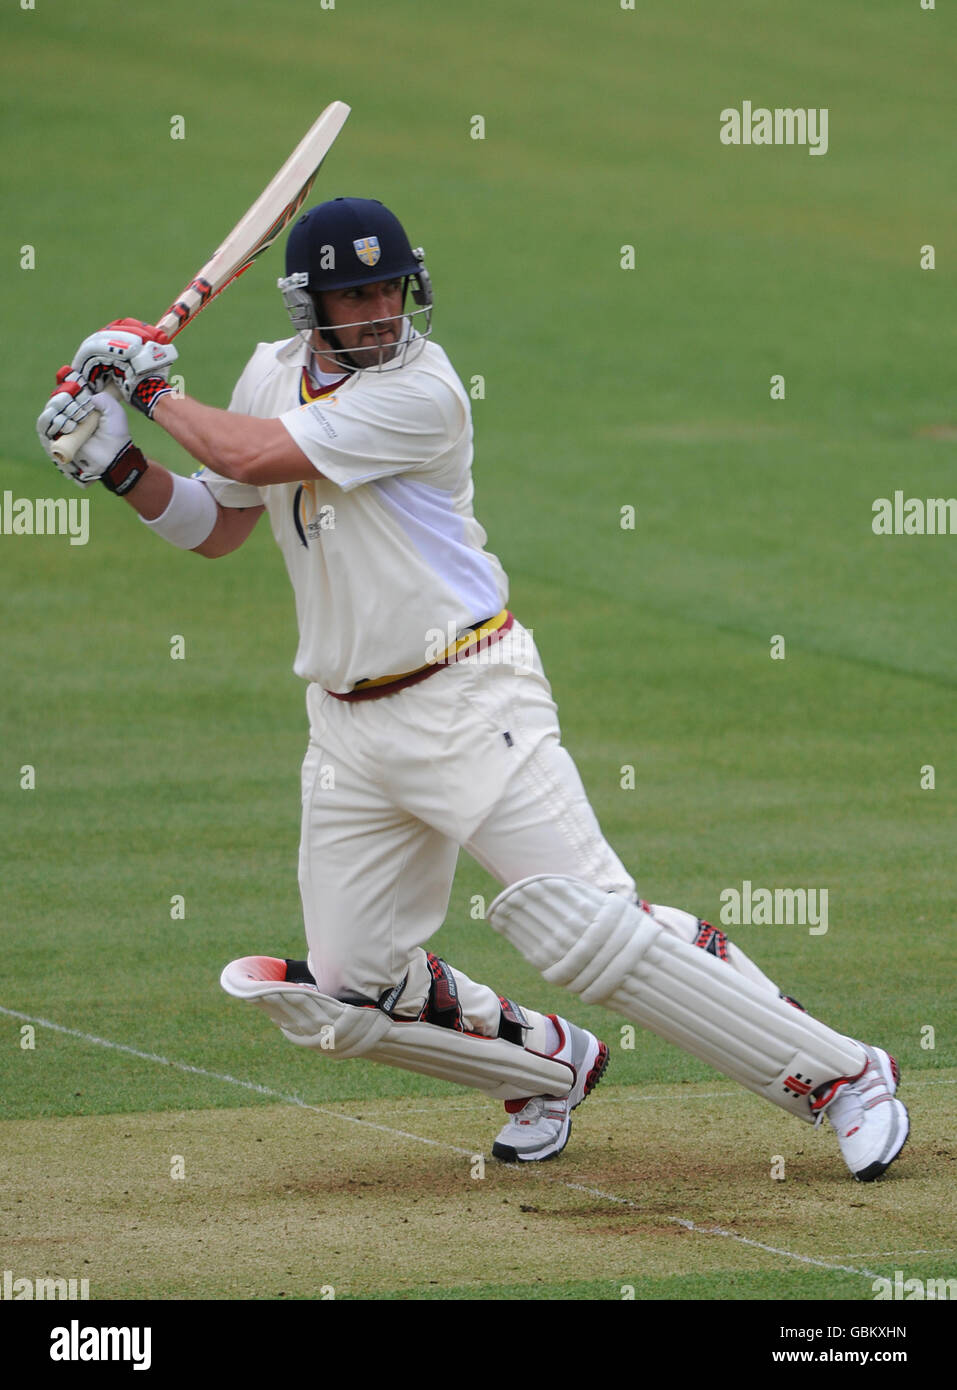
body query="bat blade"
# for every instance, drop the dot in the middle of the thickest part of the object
(253, 234)
(267, 219)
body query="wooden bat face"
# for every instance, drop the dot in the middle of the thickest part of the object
(268, 217)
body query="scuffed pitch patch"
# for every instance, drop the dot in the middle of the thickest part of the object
(278, 1201)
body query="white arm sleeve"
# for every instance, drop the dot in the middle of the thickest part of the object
(189, 517)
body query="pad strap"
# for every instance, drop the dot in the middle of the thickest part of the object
(442, 1006)
(514, 1023)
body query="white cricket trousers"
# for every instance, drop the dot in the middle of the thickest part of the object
(392, 787)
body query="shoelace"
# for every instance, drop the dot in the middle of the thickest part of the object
(852, 1099)
(537, 1109)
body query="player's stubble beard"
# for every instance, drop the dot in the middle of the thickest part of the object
(371, 351)
(377, 342)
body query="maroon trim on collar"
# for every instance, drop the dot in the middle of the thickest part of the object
(309, 393)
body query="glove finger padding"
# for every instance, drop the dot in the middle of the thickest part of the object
(125, 352)
(70, 402)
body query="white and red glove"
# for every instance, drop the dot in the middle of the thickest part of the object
(109, 455)
(134, 355)
(70, 402)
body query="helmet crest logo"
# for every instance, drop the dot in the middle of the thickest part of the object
(367, 249)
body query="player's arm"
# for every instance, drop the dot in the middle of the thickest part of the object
(241, 447)
(151, 500)
(181, 510)
(136, 357)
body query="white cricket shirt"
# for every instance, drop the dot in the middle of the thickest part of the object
(383, 550)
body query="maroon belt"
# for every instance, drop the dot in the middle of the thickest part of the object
(482, 637)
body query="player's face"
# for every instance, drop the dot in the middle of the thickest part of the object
(367, 319)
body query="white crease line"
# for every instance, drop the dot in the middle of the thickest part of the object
(417, 1138)
(720, 1231)
(872, 1254)
(232, 1080)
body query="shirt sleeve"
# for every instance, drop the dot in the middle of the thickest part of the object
(377, 427)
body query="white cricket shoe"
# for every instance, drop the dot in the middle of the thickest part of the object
(539, 1127)
(871, 1126)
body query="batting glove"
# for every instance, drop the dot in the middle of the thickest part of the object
(134, 355)
(109, 455)
(70, 402)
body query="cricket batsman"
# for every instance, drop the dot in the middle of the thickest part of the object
(431, 722)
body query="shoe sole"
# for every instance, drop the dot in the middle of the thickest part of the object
(599, 1067)
(879, 1166)
(507, 1153)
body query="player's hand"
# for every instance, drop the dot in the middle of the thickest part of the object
(70, 401)
(110, 439)
(106, 445)
(135, 355)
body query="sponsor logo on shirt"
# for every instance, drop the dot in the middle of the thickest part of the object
(310, 521)
(319, 416)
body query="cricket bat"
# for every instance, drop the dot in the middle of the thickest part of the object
(268, 217)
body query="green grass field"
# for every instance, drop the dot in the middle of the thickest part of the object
(604, 388)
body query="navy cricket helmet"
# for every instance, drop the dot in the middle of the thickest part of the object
(344, 243)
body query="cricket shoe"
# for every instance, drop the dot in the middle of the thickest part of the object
(539, 1127)
(871, 1126)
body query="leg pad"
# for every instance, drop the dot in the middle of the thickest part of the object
(610, 951)
(502, 1070)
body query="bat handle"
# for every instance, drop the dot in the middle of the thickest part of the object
(170, 324)
(67, 446)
